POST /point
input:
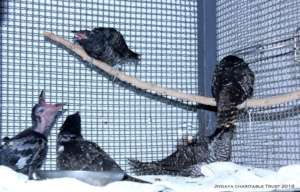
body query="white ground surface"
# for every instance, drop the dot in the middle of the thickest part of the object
(219, 176)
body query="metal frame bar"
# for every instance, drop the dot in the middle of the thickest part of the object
(207, 58)
(2, 7)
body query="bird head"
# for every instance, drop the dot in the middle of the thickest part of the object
(231, 61)
(71, 128)
(72, 124)
(81, 35)
(44, 114)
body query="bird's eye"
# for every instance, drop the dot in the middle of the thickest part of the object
(40, 110)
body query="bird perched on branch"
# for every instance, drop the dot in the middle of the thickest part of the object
(76, 153)
(27, 151)
(232, 84)
(106, 44)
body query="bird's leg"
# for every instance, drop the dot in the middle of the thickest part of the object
(114, 79)
(30, 172)
(32, 168)
(90, 65)
(119, 67)
(32, 164)
(135, 69)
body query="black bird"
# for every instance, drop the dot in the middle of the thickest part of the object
(27, 151)
(232, 84)
(106, 44)
(188, 158)
(76, 153)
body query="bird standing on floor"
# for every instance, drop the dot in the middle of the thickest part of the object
(76, 153)
(27, 151)
(232, 84)
(106, 44)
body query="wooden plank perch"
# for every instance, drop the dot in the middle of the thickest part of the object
(153, 88)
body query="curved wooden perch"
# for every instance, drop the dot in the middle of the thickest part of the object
(153, 88)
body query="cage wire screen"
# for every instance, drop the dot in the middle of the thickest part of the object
(123, 123)
(265, 34)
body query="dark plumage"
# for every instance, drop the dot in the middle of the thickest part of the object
(187, 157)
(76, 153)
(232, 84)
(27, 151)
(106, 44)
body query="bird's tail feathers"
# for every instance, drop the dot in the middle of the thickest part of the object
(133, 56)
(143, 168)
(134, 179)
(151, 168)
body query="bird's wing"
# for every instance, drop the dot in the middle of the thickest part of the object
(84, 155)
(187, 155)
(24, 151)
(118, 44)
(97, 157)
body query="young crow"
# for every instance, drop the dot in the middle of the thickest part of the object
(232, 84)
(106, 44)
(76, 153)
(27, 151)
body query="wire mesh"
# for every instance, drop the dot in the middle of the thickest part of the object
(265, 33)
(125, 124)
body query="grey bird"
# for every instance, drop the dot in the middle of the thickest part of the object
(232, 84)
(106, 44)
(76, 153)
(26, 152)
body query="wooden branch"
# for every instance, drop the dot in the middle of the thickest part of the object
(153, 88)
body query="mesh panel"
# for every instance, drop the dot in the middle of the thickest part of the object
(265, 34)
(125, 124)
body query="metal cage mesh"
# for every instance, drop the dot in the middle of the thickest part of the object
(265, 34)
(125, 124)
(130, 125)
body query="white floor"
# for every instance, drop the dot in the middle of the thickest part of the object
(219, 176)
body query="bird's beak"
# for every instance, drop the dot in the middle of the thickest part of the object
(60, 104)
(79, 35)
(59, 107)
(55, 107)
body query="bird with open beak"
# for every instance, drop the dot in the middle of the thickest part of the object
(26, 152)
(107, 45)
